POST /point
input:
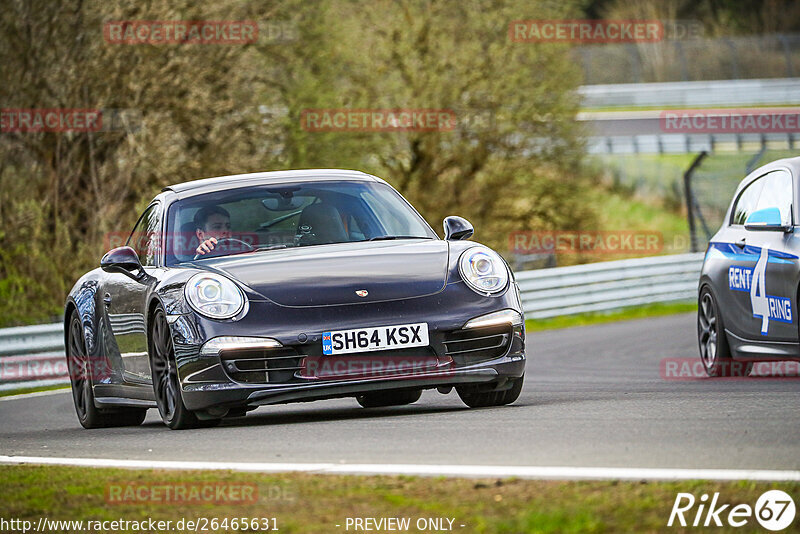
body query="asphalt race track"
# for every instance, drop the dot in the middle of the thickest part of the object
(593, 396)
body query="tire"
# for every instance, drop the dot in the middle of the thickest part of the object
(164, 371)
(80, 377)
(474, 398)
(715, 353)
(389, 398)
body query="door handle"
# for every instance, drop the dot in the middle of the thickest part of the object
(107, 299)
(740, 243)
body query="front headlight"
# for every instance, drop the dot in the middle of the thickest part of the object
(214, 296)
(483, 270)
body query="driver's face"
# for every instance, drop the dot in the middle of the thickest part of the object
(217, 226)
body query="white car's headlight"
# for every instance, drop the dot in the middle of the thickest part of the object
(214, 296)
(483, 270)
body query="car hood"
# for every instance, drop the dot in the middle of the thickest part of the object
(327, 275)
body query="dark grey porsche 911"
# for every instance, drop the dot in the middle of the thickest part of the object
(750, 282)
(277, 287)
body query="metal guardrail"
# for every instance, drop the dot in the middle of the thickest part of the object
(690, 143)
(34, 355)
(640, 132)
(609, 285)
(746, 93)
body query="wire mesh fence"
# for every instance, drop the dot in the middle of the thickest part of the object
(647, 175)
(714, 182)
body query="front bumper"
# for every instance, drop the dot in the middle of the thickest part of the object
(236, 395)
(487, 356)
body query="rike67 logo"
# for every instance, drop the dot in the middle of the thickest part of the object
(774, 510)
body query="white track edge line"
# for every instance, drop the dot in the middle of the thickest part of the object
(470, 471)
(35, 394)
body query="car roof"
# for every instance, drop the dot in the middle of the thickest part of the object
(220, 183)
(793, 164)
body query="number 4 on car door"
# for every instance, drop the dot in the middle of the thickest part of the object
(758, 291)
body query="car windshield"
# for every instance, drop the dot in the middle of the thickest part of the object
(253, 219)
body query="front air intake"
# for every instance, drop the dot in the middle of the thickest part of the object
(260, 365)
(475, 345)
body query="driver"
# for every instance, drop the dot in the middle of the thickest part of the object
(212, 223)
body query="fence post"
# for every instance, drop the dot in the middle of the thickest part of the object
(687, 187)
(753, 162)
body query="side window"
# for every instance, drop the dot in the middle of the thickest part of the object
(747, 201)
(146, 236)
(777, 193)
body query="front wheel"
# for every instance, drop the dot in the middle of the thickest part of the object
(166, 386)
(474, 398)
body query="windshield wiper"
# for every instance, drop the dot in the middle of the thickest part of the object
(387, 237)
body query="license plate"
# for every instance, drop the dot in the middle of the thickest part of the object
(378, 338)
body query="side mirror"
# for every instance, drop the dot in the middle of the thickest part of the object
(121, 260)
(457, 228)
(768, 219)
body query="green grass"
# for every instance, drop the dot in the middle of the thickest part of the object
(34, 389)
(584, 319)
(624, 215)
(620, 212)
(657, 180)
(317, 503)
